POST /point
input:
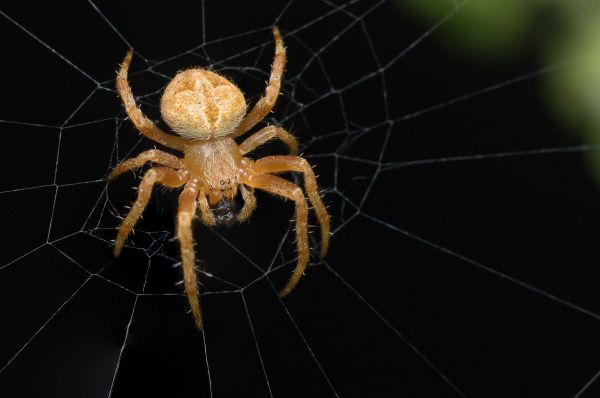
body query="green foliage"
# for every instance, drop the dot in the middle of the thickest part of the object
(479, 28)
(564, 33)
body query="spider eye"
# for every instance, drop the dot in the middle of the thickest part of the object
(222, 182)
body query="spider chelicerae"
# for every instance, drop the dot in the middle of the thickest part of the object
(208, 112)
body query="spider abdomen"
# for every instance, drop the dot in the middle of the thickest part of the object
(200, 104)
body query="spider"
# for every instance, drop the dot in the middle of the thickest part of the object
(208, 112)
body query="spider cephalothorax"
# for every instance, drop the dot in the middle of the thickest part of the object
(208, 112)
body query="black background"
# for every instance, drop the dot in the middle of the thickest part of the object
(475, 277)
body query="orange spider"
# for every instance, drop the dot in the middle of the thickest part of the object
(208, 111)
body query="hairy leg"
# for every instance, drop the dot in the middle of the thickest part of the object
(160, 175)
(153, 155)
(281, 187)
(267, 134)
(277, 164)
(185, 215)
(267, 101)
(249, 203)
(205, 212)
(141, 122)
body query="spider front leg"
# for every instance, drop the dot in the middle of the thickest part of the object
(152, 155)
(141, 122)
(185, 215)
(161, 175)
(266, 134)
(267, 101)
(278, 164)
(279, 186)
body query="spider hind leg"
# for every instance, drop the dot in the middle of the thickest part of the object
(185, 216)
(279, 186)
(279, 164)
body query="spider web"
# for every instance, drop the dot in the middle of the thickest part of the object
(465, 227)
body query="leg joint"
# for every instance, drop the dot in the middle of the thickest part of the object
(150, 175)
(298, 194)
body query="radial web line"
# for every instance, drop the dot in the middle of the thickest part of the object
(497, 155)
(52, 50)
(207, 364)
(484, 267)
(310, 350)
(44, 324)
(22, 256)
(118, 364)
(587, 385)
(262, 364)
(489, 89)
(396, 331)
(112, 26)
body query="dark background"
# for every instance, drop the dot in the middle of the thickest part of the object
(474, 277)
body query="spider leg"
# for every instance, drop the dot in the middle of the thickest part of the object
(267, 101)
(279, 186)
(153, 155)
(161, 175)
(277, 164)
(249, 203)
(141, 122)
(185, 215)
(268, 133)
